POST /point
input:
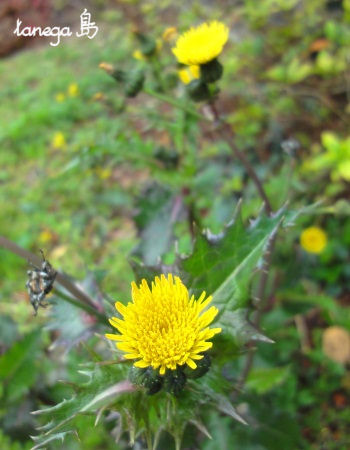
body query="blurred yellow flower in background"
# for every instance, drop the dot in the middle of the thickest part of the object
(60, 97)
(103, 172)
(163, 326)
(313, 240)
(202, 44)
(189, 74)
(58, 140)
(46, 236)
(73, 90)
(138, 55)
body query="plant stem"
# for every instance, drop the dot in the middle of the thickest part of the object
(171, 101)
(89, 309)
(256, 322)
(224, 126)
(85, 301)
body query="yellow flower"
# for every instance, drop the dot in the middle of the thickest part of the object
(46, 236)
(103, 173)
(201, 44)
(189, 74)
(169, 34)
(73, 90)
(163, 327)
(58, 140)
(313, 239)
(60, 97)
(138, 55)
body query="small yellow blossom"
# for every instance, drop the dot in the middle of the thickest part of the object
(137, 54)
(169, 34)
(60, 97)
(58, 140)
(189, 74)
(73, 90)
(313, 240)
(46, 236)
(103, 172)
(163, 327)
(201, 44)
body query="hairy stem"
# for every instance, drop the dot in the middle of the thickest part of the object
(223, 127)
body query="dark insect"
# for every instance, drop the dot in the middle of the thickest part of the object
(40, 282)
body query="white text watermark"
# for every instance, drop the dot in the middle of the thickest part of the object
(87, 28)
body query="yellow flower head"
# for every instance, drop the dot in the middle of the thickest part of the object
(313, 240)
(58, 140)
(60, 97)
(189, 74)
(201, 44)
(163, 327)
(73, 90)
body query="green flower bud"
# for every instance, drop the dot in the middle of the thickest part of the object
(211, 72)
(174, 381)
(198, 91)
(134, 83)
(203, 365)
(148, 46)
(168, 157)
(147, 378)
(119, 75)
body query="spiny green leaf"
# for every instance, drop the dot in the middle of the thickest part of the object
(101, 390)
(242, 331)
(54, 437)
(222, 265)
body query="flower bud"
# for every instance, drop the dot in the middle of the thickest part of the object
(147, 378)
(198, 90)
(168, 157)
(174, 381)
(203, 365)
(134, 83)
(148, 46)
(211, 71)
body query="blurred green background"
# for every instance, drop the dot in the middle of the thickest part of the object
(81, 167)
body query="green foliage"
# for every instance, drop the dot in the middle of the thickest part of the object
(334, 158)
(19, 367)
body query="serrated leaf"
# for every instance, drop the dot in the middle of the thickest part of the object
(154, 221)
(100, 391)
(54, 437)
(224, 405)
(240, 328)
(222, 265)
